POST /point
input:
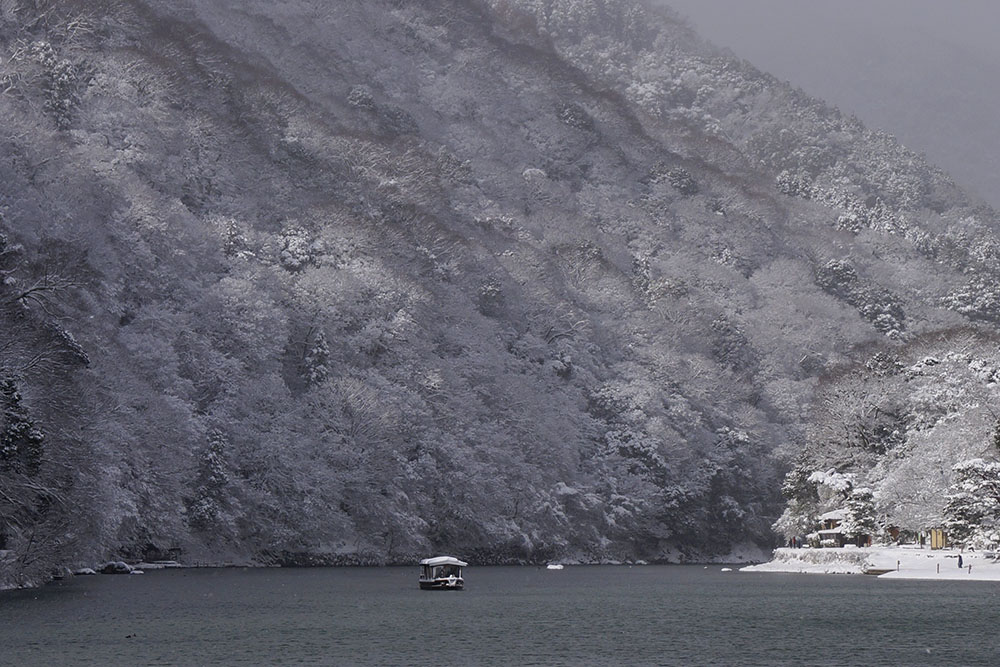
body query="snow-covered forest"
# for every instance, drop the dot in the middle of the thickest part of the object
(516, 279)
(915, 430)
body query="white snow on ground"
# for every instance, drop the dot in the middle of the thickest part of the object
(912, 563)
(814, 561)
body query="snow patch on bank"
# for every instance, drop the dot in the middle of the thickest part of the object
(815, 561)
(903, 562)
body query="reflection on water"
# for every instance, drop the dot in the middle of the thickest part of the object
(524, 616)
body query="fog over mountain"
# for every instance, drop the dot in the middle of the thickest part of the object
(923, 70)
(513, 279)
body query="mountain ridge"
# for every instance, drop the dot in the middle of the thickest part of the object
(378, 281)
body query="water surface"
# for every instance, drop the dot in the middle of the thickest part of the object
(653, 615)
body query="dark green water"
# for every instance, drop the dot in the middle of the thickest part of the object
(506, 616)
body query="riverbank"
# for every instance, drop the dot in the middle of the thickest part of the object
(738, 554)
(899, 562)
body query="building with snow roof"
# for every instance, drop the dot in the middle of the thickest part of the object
(831, 532)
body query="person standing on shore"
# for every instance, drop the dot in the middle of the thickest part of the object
(960, 561)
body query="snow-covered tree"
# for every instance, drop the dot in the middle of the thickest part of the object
(297, 249)
(318, 358)
(972, 512)
(801, 508)
(210, 508)
(21, 441)
(832, 487)
(860, 519)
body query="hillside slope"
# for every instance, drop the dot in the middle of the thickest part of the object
(516, 279)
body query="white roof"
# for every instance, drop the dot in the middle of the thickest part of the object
(837, 515)
(443, 560)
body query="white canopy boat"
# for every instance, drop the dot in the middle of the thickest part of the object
(442, 573)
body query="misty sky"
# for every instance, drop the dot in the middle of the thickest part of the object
(927, 71)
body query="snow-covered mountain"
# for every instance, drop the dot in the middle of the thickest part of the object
(360, 280)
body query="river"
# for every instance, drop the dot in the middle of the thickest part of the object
(653, 615)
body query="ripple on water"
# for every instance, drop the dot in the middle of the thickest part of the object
(526, 616)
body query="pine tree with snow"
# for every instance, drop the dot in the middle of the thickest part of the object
(20, 440)
(860, 518)
(209, 507)
(797, 485)
(799, 517)
(317, 359)
(961, 516)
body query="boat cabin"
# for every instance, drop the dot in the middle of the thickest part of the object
(442, 572)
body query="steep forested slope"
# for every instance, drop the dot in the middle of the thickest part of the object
(515, 279)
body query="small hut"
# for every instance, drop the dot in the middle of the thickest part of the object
(831, 531)
(938, 538)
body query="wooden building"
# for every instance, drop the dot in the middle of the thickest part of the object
(831, 531)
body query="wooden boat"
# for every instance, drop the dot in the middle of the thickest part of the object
(442, 573)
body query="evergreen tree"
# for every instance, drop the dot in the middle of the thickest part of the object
(962, 515)
(796, 485)
(210, 506)
(20, 440)
(860, 519)
(317, 359)
(799, 517)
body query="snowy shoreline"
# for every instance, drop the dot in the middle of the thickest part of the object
(739, 555)
(901, 562)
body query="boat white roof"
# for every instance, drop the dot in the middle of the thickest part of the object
(443, 560)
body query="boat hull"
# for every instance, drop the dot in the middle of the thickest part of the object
(442, 584)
